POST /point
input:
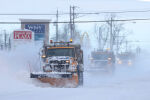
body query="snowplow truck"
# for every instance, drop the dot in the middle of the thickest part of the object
(103, 60)
(126, 59)
(61, 64)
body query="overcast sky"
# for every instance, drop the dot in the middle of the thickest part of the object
(141, 29)
(35, 6)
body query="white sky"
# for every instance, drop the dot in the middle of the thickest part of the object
(51, 5)
(140, 29)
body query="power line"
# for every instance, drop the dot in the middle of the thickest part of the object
(126, 11)
(121, 20)
(47, 14)
(90, 21)
(114, 12)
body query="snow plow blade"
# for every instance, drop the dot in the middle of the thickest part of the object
(57, 79)
(50, 75)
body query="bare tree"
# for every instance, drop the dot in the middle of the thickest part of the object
(64, 35)
(110, 34)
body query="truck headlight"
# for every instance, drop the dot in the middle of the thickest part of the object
(67, 61)
(43, 56)
(119, 62)
(129, 62)
(109, 58)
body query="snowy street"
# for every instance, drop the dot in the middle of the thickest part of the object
(132, 83)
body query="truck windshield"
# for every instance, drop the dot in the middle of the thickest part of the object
(60, 52)
(125, 57)
(100, 56)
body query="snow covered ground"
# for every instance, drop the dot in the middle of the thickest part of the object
(132, 83)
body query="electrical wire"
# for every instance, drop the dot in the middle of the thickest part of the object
(126, 11)
(90, 21)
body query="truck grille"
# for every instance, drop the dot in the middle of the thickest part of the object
(59, 66)
(58, 62)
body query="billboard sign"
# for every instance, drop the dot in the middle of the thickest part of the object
(23, 35)
(38, 29)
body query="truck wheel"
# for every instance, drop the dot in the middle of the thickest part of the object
(81, 78)
(111, 69)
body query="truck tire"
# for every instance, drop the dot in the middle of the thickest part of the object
(111, 69)
(80, 75)
(81, 78)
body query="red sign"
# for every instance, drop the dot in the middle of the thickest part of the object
(23, 35)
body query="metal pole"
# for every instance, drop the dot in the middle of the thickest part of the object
(100, 47)
(117, 51)
(5, 38)
(126, 46)
(73, 26)
(57, 26)
(111, 36)
(9, 43)
(71, 21)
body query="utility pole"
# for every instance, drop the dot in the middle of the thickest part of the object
(57, 26)
(73, 24)
(99, 39)
(111, 34)
(126, 46)
(9, 43)
(5, 39)
(70, 21)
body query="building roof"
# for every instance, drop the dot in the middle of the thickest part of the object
(35, 20)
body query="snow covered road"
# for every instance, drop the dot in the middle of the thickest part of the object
(125, 84)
